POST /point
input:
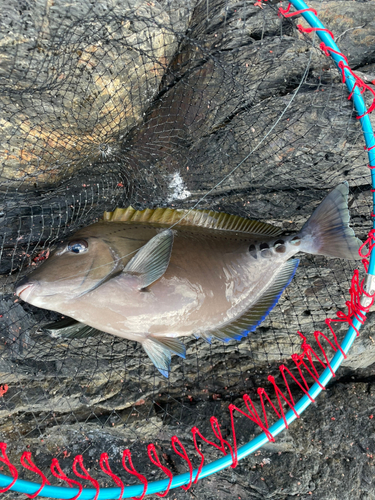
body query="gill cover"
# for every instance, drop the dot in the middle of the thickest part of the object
(76, 267)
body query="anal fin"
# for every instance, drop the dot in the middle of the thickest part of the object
(160, 349)
(257, 313)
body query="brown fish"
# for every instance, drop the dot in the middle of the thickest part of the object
(156, 275)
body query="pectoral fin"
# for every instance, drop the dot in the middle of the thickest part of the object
(152, 260)
(248, 322)
(160, 350)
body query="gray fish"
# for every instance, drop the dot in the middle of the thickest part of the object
(211, 275)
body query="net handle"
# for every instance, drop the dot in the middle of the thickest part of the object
(29, 487)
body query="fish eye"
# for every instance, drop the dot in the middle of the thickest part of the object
(78, 246)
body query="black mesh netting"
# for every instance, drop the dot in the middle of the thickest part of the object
(151, 104)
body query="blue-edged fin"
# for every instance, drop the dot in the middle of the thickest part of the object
(252, 318)
(160, 350)
(69, 328)
(151, 261)
(327, 232)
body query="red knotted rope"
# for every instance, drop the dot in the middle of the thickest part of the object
(311, 30)
(369, 243)
(195, 431)
(79, 460)
(127, 456)
(304, 388)
(308, 353)
(61, 475)
(357, 83)
(13, 470)
(286, 13)
(252, 415)
(152, 455)
(327, 50)
(278, 393)
(29, 464)
(360, 84)
(215, 426)
(185, 457)
(104, 465)
(3, 388)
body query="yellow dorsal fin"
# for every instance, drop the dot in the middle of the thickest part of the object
(201, 218)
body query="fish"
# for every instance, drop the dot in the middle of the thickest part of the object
(158, 275)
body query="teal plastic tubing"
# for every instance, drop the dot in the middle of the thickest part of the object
(216, 466)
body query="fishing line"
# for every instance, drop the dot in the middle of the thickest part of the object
(226, 176)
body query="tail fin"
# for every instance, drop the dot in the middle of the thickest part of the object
(327, 232)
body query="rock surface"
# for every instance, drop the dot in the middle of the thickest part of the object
(162, 103)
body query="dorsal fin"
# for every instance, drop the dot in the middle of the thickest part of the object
(200, 218)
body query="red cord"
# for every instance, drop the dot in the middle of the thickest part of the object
(215, 426)
(152, 455)
(305, 389)
(327, 50)
(308, 351)
(357, 83)
(61, 475)
(79, 460)
(104, 465)
(285, 13)
(13, 470)
(252, 415)
(126, 455)
(279, 393)
(183, 455)
(26, 457)
(361, 85)
(310, 30)
(195, 431)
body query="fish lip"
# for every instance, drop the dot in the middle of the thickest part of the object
(23, 289)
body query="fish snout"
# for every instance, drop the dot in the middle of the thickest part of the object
(23, 287)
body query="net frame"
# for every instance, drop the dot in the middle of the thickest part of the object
(363, 299)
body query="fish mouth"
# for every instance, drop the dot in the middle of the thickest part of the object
(23, 287)
(19, 293)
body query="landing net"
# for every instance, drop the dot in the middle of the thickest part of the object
(232, 105)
